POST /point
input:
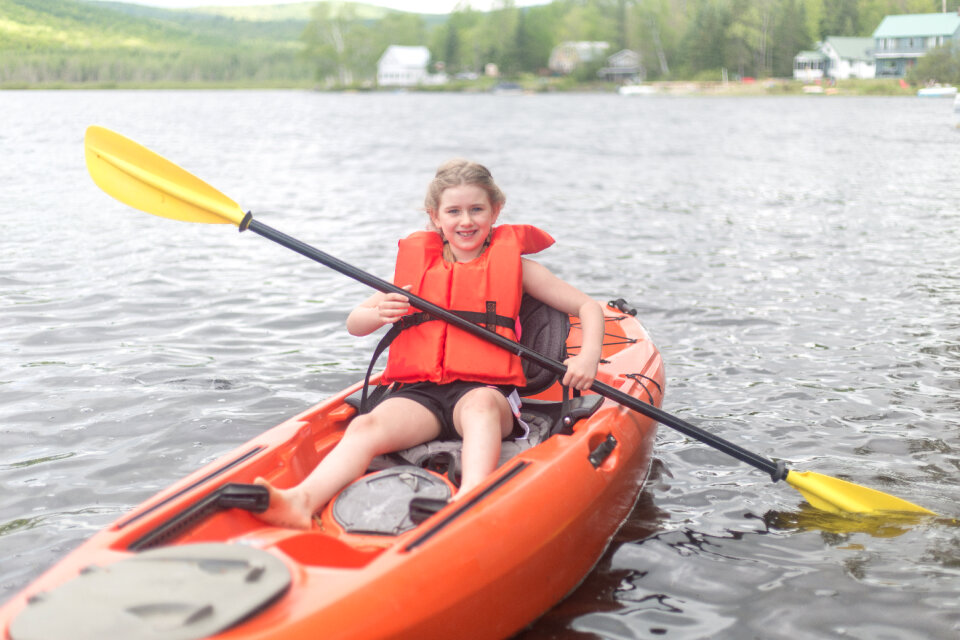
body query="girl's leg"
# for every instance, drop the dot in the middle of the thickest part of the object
(483, 418)
(395, 424)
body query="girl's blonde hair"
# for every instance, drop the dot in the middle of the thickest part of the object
(455, 173)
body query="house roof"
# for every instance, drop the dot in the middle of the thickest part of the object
(406, 56)
(851, 48)
(810, 55)
(918, 24)
(624, 57)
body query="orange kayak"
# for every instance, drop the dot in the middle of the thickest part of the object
(193, 562)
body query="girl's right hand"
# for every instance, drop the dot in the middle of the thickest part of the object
(393, 306)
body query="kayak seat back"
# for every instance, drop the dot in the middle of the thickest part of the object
(544, 330)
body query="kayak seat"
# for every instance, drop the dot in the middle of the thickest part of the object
(398, 493)
(544, 330)
(545, 418)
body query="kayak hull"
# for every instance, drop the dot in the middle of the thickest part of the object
(485, 566)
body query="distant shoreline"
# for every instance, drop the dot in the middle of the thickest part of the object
(768, 87)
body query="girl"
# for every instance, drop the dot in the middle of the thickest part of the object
(451, 384)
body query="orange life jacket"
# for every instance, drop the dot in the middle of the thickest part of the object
(486, 290)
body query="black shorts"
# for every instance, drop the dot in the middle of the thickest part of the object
(440, 399)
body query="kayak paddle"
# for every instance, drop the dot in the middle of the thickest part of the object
(144, 180)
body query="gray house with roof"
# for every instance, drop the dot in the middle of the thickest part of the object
(901, 40)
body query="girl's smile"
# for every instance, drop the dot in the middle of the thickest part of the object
(465, 217)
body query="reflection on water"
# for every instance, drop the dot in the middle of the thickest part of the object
(794, 258)
(806, 518)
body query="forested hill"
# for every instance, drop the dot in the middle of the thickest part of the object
(225, 25)
(73, 41)
(337, 43)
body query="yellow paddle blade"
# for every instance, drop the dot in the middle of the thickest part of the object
(136, 176)
(838, 496)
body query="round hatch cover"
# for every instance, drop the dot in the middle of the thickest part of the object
(380, 503)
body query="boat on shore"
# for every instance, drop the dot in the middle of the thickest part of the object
(637, 90)
(390, 556)
(937, 91)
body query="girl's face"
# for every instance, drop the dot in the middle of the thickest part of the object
(464, 217)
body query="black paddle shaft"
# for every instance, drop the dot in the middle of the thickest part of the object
(776, 470)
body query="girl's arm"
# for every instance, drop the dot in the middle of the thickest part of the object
(376, 311)
(539, 282)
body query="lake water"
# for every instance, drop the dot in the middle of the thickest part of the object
(796, 259)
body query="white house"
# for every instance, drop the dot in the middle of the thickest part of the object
(849, 57)
(809, 66)
(403, 66)
(837, 58)
(567, 56)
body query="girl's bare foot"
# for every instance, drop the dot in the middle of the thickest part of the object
(288, 507)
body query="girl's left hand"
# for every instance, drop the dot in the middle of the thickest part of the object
(581, 372)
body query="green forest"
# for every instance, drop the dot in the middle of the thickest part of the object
(335, 44)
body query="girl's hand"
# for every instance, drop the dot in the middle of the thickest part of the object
(581, 371)
(393, 306)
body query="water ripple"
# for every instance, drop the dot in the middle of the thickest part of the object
(801, 284)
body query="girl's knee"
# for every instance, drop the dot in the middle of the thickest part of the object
(360, 425)
(484, 408)
(484, 400)
(364, 431)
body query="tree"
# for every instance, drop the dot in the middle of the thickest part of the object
(841, 18)
(790, 35)
(497, 36)
(654, 34)
(331, 42)
(400, 28)
(941, 64)
(455, 40)
(748, 37)
(592, 20)
(705, 40)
